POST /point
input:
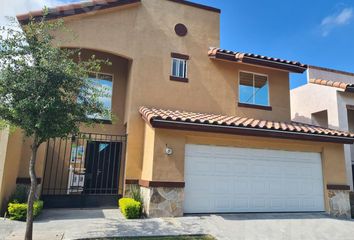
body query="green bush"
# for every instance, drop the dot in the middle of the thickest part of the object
(18, 211)
(130, 208)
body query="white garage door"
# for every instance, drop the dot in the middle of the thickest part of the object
(228, 179)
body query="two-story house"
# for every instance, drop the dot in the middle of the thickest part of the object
(330, 103)
(198, 129)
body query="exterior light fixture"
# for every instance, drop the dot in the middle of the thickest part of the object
(168, 150)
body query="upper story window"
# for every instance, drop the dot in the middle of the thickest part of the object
(253, 89)
(179, 67)
(104, 83)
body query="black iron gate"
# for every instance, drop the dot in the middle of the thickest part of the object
(84, 171)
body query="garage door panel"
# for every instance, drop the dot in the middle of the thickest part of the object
(277, 203)
(292, 204)
(241, 203)
(223, 167)
(259, 186)
(200, 166)
(240, 168)
(222, 185)
(241, 186)
(226, 179)
(200, 183)
(223, 204)
(276, 187)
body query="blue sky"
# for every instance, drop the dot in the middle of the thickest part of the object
(316, 32)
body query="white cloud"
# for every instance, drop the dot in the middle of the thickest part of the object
(339, 19)
(11, 8)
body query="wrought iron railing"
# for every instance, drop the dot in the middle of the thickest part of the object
(88, 163)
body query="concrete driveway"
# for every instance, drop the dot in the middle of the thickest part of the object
(91, 223)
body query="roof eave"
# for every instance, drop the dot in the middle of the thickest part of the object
(197, 5)
(260, 62)
(258, 132)
(350, 89)
(66, 11)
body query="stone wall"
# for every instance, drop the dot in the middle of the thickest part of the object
(162, 201)
(339, 204)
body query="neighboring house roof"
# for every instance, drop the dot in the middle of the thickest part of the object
(331, 70)
(250, 58)
(348, 87)
(94, 5)
(205, 122)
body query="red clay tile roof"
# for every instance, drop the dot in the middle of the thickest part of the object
(251, 58)
(95, 5)
(182, 120)
(340, 85)
(74, 9)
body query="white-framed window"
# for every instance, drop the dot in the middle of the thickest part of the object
(253, 88)
(103, 82)
(179, 67)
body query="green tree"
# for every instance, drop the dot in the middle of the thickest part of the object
(44, 91)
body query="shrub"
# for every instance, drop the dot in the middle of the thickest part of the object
(130, 208)
(18, 211)
(21, 194)
(136, 195)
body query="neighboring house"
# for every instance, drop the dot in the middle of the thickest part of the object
(327, 100)
(199, 129)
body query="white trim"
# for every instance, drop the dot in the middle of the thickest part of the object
(184, 67)
(259, 74)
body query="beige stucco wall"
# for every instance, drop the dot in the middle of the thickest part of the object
(145, 34)
(148, 158)
(4, 136)
(171, 168)
(10, 155)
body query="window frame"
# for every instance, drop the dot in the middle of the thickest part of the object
(185, 67)
(254, 105)
(104, 121)
(181, 59)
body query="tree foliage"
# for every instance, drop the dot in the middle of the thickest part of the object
(43, 89)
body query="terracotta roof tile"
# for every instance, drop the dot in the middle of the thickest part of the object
(340, 85)
(152, 115)
(292, 66)
(74, 9)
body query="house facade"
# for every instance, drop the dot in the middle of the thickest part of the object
(336, 108)
(198, 129)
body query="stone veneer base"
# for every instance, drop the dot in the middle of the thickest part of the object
(163, 201)
(339, 203)
(168, 202)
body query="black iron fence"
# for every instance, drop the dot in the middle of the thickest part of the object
(86, 164)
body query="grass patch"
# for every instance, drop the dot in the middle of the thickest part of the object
(191, 237)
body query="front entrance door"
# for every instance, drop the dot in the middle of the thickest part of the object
(102, 167)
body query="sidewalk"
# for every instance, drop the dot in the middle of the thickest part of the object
(57, 224)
